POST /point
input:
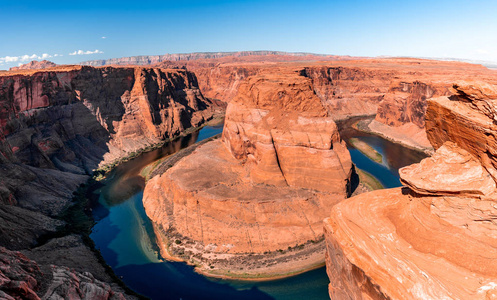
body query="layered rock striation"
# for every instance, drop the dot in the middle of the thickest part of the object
(393, 90)
(435, 238)
(249, 205)
(118, 110)
(22, 278)
(61, 123)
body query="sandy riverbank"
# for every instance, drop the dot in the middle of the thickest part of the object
(407, 135)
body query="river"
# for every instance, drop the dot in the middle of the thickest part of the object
(125, 237)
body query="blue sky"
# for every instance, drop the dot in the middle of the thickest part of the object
(106, 29)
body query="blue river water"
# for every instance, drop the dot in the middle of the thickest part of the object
(125, 237)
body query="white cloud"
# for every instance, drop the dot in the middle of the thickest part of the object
(81, 52)
(103, 38)
(11, 58)
(25, 58)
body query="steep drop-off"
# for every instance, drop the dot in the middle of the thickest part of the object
(250, 205)
(392, 89)
(58, 125)
(434, 239)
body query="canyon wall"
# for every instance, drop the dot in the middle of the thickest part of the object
(394, 90)
(434, 238)
(59, 124)
(47, 116)
(251, 203)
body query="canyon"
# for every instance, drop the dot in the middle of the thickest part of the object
(60, 124)
(250, 204)
(434, 238)
(393, 90)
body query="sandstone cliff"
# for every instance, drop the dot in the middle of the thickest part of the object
(434, 239)
(251, 203)
(394, 90)
(59, 124)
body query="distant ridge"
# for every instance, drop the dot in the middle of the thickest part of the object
(153, 59)
(44, 64)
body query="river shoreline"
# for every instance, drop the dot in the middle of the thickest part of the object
(371, 126)
(206, 270)
(78, 216)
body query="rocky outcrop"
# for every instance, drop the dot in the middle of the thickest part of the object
(57, 126)
(450, 171)
(435, 238)
(22, 278)
(394, 90)
(241, 203)
(44, 64)
(468, 121)
(49, 118)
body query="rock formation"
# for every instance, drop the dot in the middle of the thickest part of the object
(250, 204)
(57, 126)
(118, 110)
(393, 90)
(22, 278)
(44, 64)
(434, 239)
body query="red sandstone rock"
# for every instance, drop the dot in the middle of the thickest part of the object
(389, 245)
(120, 110)
(450, 171)
(260, 190)
(22, 278)
(462, 122)
(279, 128)
(435, 239)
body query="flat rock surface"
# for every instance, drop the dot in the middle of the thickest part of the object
(385, 244)
(450, 171)
(209, 197)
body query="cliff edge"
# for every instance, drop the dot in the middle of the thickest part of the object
(435, 238)
(250, 205)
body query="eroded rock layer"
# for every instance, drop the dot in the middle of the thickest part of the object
(47, 115)
(434, 239)
(22, 278)
(262, 189)
(392, 89)
(44, 64)
(59, 124)
(467, 121)
(391, 245)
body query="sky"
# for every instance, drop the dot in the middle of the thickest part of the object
(75, 31)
